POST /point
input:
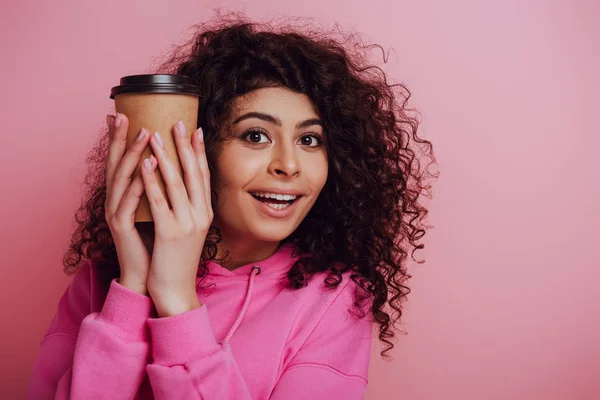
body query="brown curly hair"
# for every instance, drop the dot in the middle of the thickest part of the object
(367, 218)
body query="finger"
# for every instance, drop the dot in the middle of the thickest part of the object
(110, 122)
(158, 204)
(131, 199)
(200, 150)
(118, 144)
(192, 174)
(176, 189)
(121, 179)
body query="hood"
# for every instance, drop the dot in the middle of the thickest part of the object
(276, 265)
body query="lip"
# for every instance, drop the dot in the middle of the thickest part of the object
(271, 212)
(277, 191)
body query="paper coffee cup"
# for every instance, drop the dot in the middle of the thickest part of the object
(156, 102)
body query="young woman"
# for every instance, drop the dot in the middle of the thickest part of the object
(290, 228)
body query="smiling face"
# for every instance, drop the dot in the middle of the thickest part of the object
(271, 169)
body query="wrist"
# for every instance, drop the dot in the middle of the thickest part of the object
(169, 305)
(135, 285)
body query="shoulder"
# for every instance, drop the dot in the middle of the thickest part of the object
(87, 283)
(340, 303)
(339, 337)
(82, 296)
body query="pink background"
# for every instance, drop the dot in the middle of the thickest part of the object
(507, 304)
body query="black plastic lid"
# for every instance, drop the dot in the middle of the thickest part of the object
(155, 83)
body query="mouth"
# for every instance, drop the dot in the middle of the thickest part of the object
(276, 201)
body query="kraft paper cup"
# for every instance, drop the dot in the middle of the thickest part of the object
(157, 103)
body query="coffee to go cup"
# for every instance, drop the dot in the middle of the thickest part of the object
(156, 102)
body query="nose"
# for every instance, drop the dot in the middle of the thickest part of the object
(284, 161)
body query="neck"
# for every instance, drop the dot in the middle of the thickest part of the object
(243, 251)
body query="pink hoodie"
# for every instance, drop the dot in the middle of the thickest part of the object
(251, 339)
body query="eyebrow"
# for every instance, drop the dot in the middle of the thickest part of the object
(274, 120)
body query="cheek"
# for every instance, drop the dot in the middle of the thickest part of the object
(317, 171)
(235, 170)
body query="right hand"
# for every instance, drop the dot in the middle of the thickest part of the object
(122, 198)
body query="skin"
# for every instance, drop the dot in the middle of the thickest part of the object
(267, 151)
(285, 151)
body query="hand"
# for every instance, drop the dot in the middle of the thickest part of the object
(122, 198)
(179, 233)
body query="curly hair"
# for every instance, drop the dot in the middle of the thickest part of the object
(368, 218)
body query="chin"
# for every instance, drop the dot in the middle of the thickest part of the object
(265, 233)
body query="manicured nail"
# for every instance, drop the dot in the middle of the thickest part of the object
(200, 134)
(148, 165)
(140, 135)
(159, 140)
(118, 120)
(181, 129)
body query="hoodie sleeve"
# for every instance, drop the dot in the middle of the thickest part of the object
(332, 364)
(99, 355)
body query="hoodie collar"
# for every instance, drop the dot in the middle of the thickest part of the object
(276, 265)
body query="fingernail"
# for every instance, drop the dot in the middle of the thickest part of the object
(181, 129)
(200, 134)
(159, 140)
(118, 120)
(148, 165)
(140, 135)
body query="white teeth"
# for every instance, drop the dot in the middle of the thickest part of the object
(286, 197)
(278, 206)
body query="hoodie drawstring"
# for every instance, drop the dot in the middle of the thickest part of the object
(246, 303)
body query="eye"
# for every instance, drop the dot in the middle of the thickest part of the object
(311, 140)
(255, 136)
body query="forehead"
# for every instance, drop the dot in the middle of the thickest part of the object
(280, 101)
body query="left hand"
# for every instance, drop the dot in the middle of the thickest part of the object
(179, 233)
